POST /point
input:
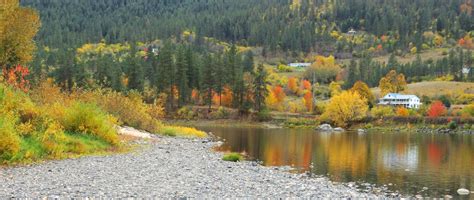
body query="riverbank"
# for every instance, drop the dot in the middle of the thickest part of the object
(166, 167)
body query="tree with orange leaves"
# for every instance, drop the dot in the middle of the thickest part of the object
(292, 84)
(279, 93)
(224, 99)
(308, 101)
(402, 112)
(466, 42)
(437, 109)
(16, 77)
(306, 85)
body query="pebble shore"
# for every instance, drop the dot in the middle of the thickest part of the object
(165, 167)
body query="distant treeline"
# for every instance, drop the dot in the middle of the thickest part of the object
(287, 25)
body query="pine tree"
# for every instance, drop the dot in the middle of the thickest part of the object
(182, 76)
(260, 88)
(167, 73)
(248, 62)
(135, 71)
(208, 80)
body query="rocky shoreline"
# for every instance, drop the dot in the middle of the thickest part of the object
(167, 167)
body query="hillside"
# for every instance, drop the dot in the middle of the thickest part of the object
(279, 25)
(435, 88)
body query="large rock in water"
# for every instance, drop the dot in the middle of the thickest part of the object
(325, 127)
(463, 191)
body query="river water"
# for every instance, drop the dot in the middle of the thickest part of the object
(425, 164)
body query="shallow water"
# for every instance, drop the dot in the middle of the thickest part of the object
(430, 165)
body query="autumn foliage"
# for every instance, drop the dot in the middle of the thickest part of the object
(402, 112)
(437, 109)
(306, 85)
(225, 99)
(292, 84)
(308, 101)
(345, 108)
(16, 77)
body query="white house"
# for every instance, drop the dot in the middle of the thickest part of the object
(299, 65)
(394, 99)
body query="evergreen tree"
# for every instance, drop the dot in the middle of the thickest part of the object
(260, 88)
(182, 76)
(208, 81)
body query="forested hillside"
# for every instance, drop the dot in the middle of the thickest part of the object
(297, 25)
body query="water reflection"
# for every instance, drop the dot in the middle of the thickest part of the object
(408, 162)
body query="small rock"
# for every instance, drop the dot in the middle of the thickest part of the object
(361, 130)
(325, 127)
(448, 196)
(339, 129)
(463, 191)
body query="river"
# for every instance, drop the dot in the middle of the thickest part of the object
(409, 163)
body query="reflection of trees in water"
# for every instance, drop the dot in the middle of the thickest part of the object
(407, 160)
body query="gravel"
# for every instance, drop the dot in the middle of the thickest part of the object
(168, 168)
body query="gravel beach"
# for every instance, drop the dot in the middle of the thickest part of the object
(167, 168)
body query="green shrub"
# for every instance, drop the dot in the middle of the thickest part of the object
(185, 113)
(221, 113)
(233, 157)
(452, 125)
(264, 115)
(90, 119)
(168, 131)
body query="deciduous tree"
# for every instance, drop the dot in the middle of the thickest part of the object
(392, 82)
(437, 109)
(345, 108)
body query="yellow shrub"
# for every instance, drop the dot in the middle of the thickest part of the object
(9, 139)
(131, 110)
(382, 111)
(182, 131)
(52, 139)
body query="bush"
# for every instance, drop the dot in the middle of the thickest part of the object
(402, 112)
(9, 138)
(264, 115)
(130, 110)
(182, 131)
(90, 119)
(221, 113)
(233, 157)
(452, 125)
(185, 113)
(380, 112)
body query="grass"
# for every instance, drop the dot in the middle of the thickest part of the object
(435, 88)
(232, 157)
(182, 131)
(34, 149)
(434, 54)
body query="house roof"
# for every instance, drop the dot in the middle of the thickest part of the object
(399, 96)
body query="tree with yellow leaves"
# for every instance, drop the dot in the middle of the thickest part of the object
(392, 82)
(335, 88)
(364, 91)
(345, 108)
(324, 70)
(18, 26)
